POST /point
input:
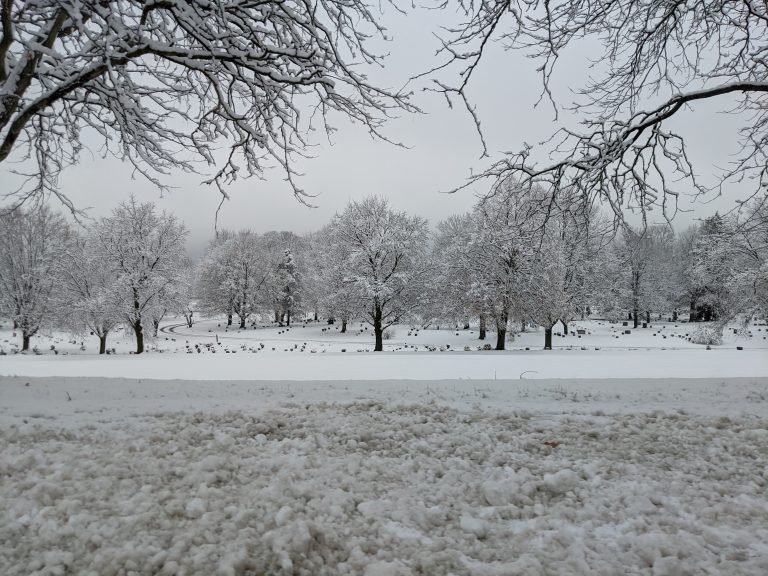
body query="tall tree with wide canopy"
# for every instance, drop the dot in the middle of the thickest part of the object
(32, 246)
(385, 263)
(144, 250)
(167, 83)
(656, 60)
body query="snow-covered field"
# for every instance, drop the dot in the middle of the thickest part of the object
(277, 462)
(320, 352)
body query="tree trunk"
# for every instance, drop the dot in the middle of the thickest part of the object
(315, 315)
(103, 344)
(242, 321)
(377, 329)
(25, 342)
(523, 325)
(139, 332)
(548, 338)
(277, 316)
(466, 324)
(288, 318)
(15, 324)
(692, 312)
(635, 298)
(482, 327)
(156, 326)
(501, 331)
(565, 329)
(343, 325)
(501, 338)
(137, 327)
(648, 316)
(229, 319)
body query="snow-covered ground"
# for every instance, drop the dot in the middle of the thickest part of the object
(277, 462)
(319, 352)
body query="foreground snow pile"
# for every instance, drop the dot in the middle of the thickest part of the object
(382, 490)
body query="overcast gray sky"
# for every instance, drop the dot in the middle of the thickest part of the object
(443, 148)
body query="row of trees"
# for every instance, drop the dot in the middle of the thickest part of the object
(129, 269)
(516, 259)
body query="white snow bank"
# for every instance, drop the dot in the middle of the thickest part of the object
(380, 489)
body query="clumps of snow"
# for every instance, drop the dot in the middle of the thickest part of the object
(708, 334)
(382, 490)
(560, 482)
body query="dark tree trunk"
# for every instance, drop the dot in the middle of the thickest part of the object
(156, 326)
(377, 329)
(501, 331)
(674, 315)
(565, 328)
(277, 316)
(229, 319)
(523, 325)
(648, 316)
(548, 338)
(15, 324)
(103, 344)
(242, 321)
(25, 342)
(482, 327)
(343, 326)
(137, 327)
(315, 315)
(139, 332)
(501, 338)
(692, 312)
(288, 318)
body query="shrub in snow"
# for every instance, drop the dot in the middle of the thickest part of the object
(708, 334)
(387, 334)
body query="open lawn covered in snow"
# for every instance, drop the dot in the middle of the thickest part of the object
(318, 351)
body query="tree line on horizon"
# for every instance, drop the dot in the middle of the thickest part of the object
(516, 259)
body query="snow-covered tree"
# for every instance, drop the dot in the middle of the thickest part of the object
(626, 151)
(32, 246)
(144, 250)
(449, 295)
(238, 275)
(561, 267)
(281, 287)
(215, 285)
(642, 271)
(186, 291)
(733, 263)
(384, 260)
(509, 223)
(337, 295)
(289, 285)
(163, 81)
(88, 292)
